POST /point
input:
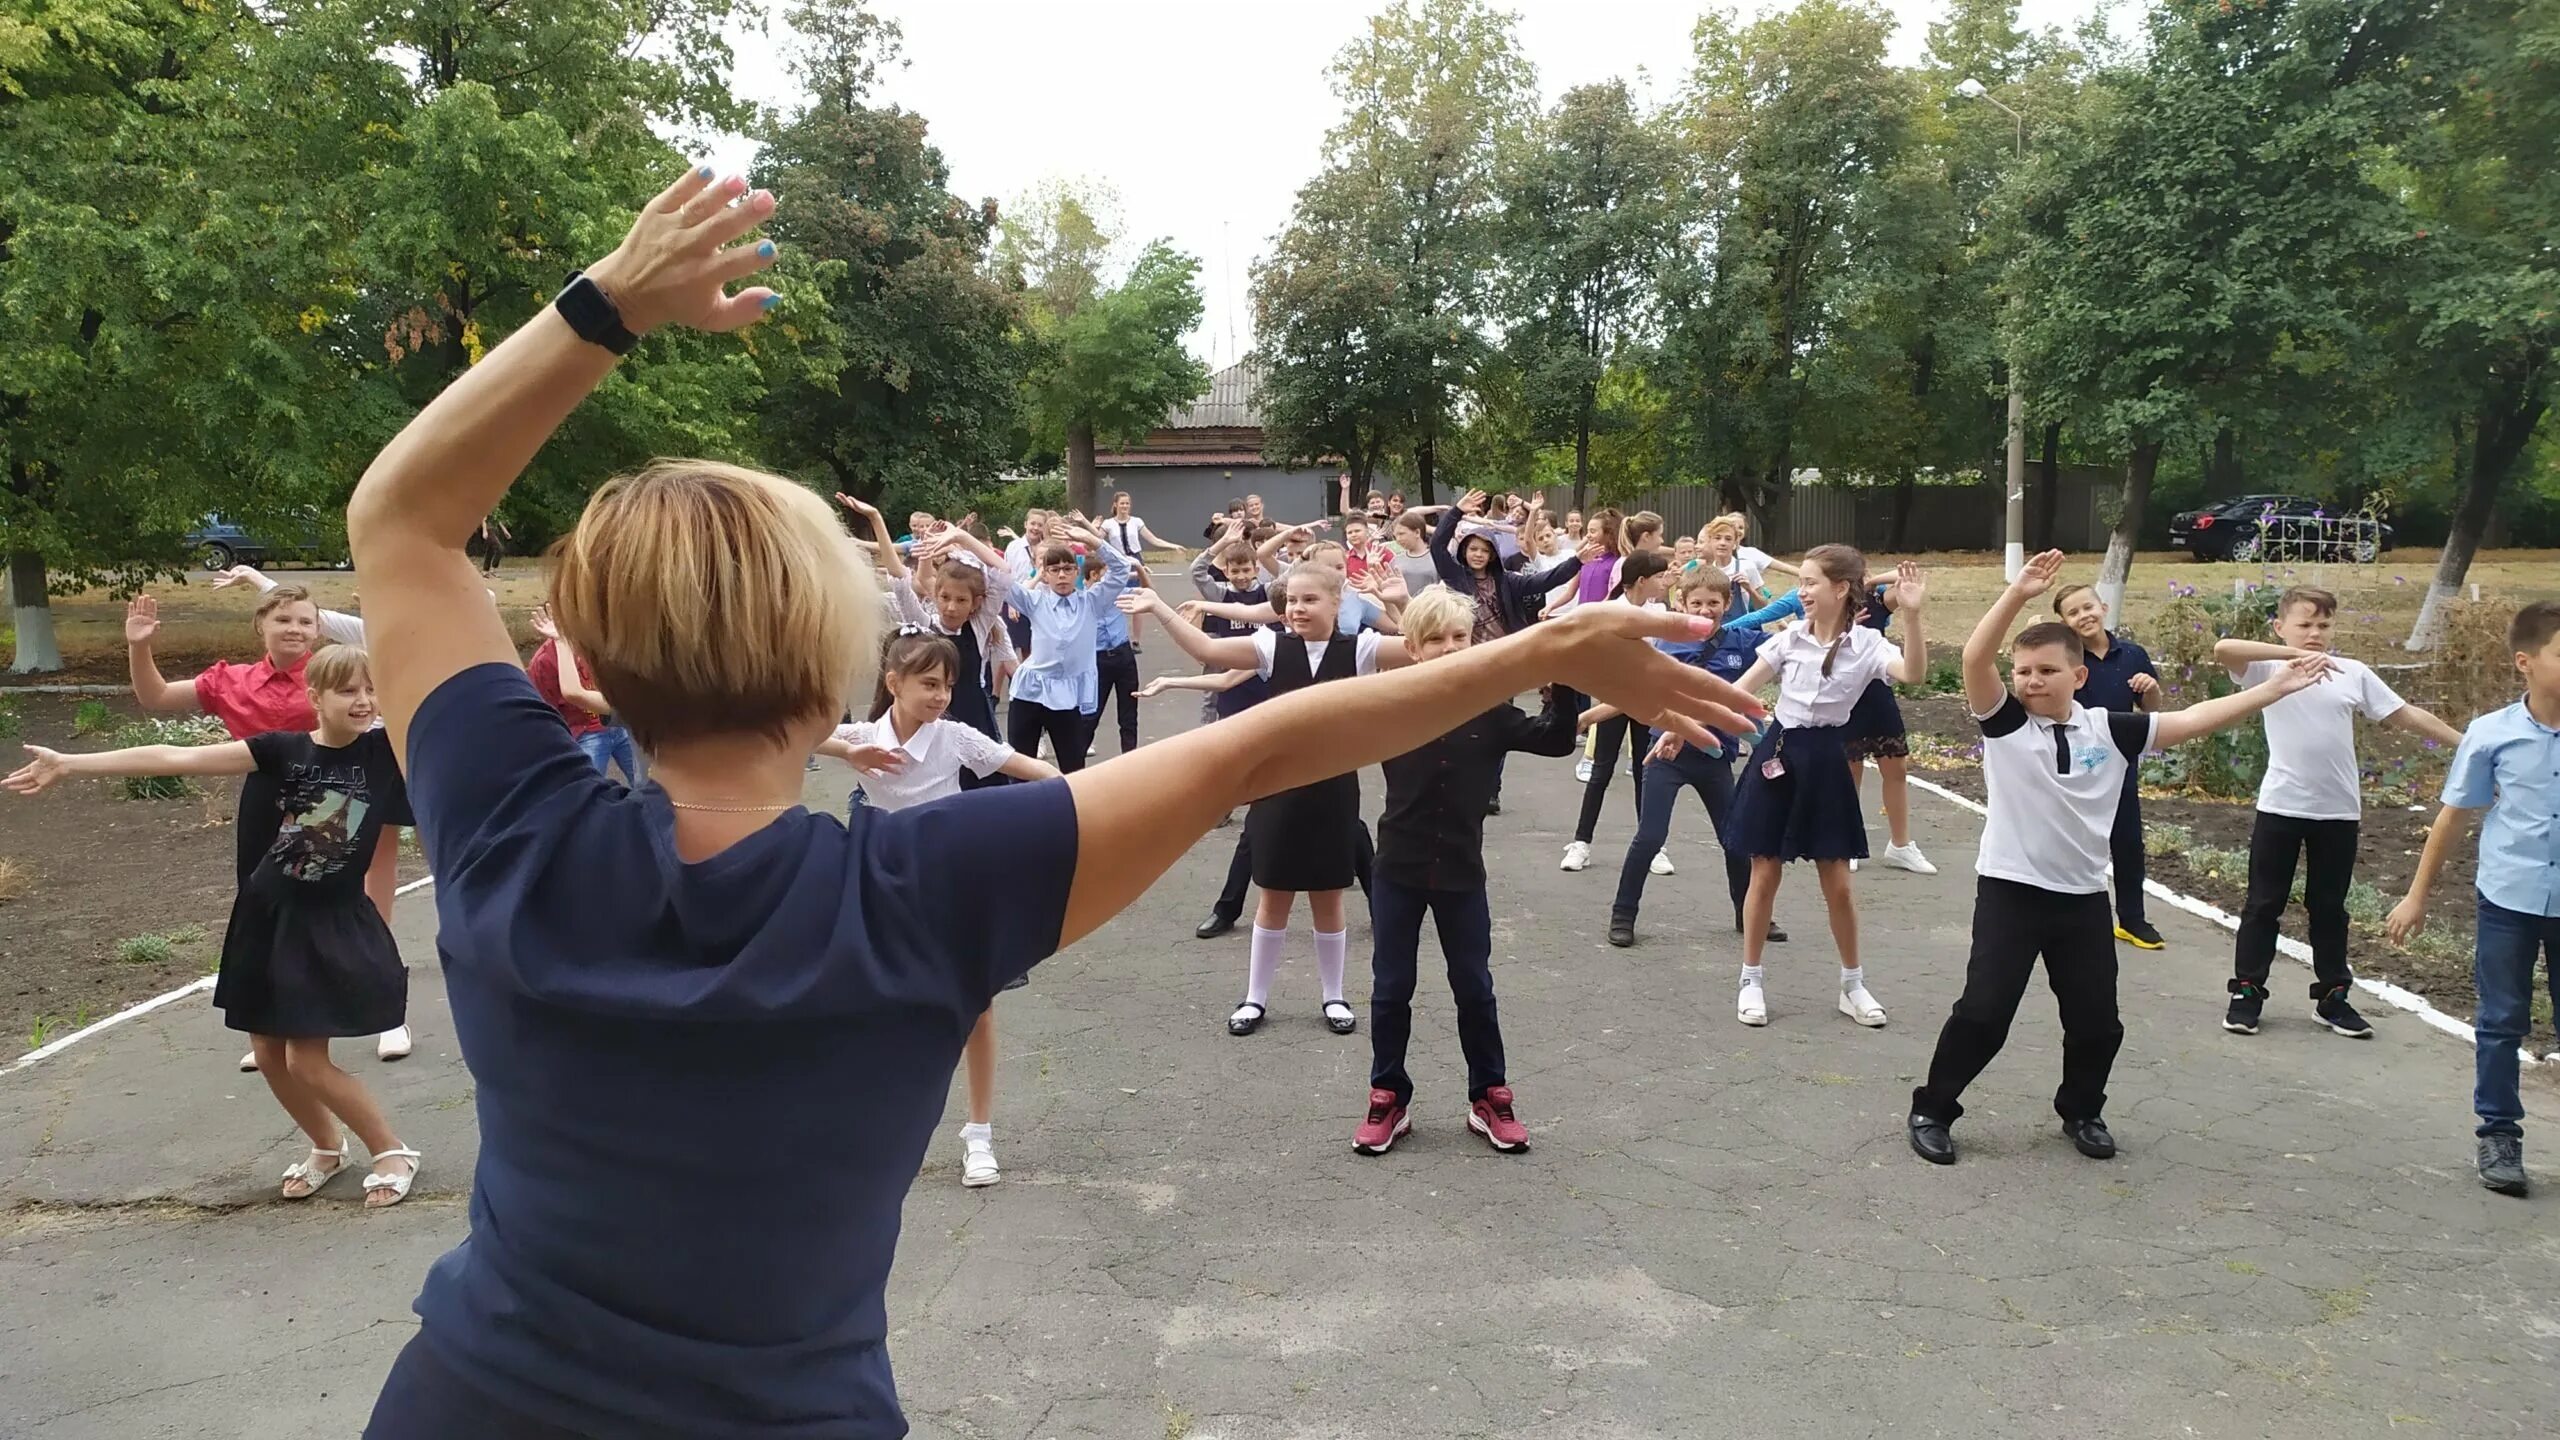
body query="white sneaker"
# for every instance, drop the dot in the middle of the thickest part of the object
(1909, 858)
(1860, 1006)
(249, 1063)
(1582, 771)
(1577, 856)
(1662, 863)
(978, 1161)
(1751, 1007)
(393, 1044)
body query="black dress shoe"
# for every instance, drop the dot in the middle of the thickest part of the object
(1777, 932)
(1622, 931)
(1218, 923)
(2091, 1137)
(1492, 807)
(1931, 1142)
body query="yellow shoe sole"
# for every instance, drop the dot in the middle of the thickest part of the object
(2137, 942)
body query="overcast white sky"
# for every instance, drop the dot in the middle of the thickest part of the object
(1206, 115)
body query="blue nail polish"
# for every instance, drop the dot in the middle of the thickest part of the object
(704, 173)
(765, 250)
(772, 300)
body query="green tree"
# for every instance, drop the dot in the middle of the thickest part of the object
(2484, 303)
(902, 375)
(1797, 129)
(2194, 236)
(1432, 94)
(1106, 361)
(1331, 390)
(1590, 212)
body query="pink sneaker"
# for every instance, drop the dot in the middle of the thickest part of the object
(1387, 1123)
(1491, 1118)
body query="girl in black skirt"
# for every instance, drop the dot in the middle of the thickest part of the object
(1301, 839)
(307, 957)
(1876, 732)
(1796, 800)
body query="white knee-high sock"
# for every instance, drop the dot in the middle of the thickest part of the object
(1331, 947)
(1263, 964)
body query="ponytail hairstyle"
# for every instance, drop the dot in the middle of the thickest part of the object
(912, 651)
(1840, 565)
(1638, 567)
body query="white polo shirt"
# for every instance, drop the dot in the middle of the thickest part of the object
(1809, 698)
(935, 756)
(2311, 739)
(2054, 787)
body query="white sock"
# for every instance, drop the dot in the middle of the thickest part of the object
(976, 1131)
(1262, 964)
(1755, 975)
(1852, 977)
(1331, 947)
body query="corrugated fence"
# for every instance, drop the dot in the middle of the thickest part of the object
(1942, 516)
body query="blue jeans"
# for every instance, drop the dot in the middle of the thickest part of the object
(2502, 971)
(605, 746)
(1465, 921)
(1657, 793)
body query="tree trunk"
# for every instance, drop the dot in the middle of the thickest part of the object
(2138, 470)
(1080, 480)
(1425, 463)
(2048, 493)
(2498, 437)
(1905, 491)
(1582, 448)
(38, 652)
(2223, 476)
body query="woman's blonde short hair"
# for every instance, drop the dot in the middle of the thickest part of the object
(1438, 611)
(716, 600)
(334, 666)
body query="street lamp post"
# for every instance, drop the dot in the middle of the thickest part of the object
(2013, 550)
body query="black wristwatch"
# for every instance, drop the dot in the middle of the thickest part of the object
(591, 313)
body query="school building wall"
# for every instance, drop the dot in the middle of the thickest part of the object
(1177, 500)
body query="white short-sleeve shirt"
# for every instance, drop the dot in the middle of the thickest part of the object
(2054, 786)
(2311, 739)
(1123, 533)
(1807, 698)
(935, 755)
(1267, 644)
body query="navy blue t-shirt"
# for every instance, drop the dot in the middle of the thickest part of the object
(2110, 682)
(703, 1089)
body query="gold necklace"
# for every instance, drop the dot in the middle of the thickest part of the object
(731, 809)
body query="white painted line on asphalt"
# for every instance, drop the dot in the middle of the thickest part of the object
(192, 987)
(2390, 994)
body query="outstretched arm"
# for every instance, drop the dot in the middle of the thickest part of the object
(44, 766)
(152, 693)
(1216, 682)
(1910, 593)
(1231, 653)
(1982, 687)
(2411, 912)
(2179, 726)
(430, 618)
(2418, 720)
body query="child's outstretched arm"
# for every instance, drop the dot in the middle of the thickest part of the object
(2179, 726)
(1910, 591)
(2418, 720)
(1235, 652)
(1216, 682)
(44, 766)
(2411, 912)
(1982, 687)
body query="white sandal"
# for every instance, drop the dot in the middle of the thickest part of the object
(309, 1174)
(398, 1185)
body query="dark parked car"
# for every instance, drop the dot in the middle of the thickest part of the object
(2278, 527)
(218, 543)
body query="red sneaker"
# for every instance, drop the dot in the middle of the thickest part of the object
(1491, 1118)
(1387, 1123)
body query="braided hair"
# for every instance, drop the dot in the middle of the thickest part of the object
(1840, 565)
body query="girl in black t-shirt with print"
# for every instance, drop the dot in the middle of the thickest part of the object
(307, 957)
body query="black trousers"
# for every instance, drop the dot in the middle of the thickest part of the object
(1118, 667)
(2124, 847)
(1069, 732)
(1658, 790)
(2013, 924)
(2276, 844)
(1364, 858)
(1465, 922)
(1615, 732)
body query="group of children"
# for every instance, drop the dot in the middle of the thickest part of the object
(1048, 622)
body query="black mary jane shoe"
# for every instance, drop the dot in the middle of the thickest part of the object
(1218, 923)
(2090, 1137)
(1931, 1142)
(1342, 1024)
(1777, 932)
(1242, 1024)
